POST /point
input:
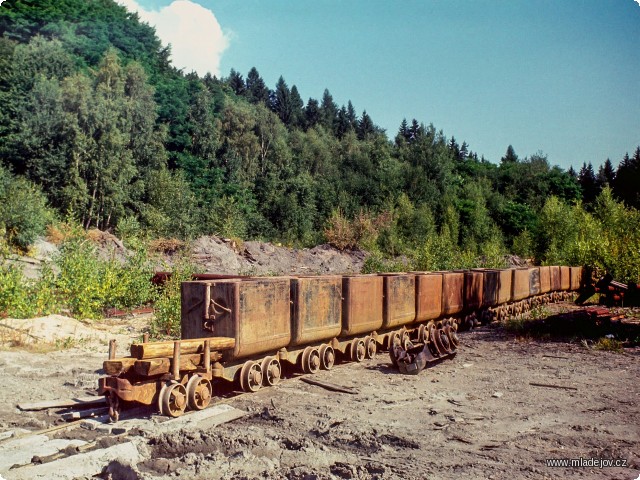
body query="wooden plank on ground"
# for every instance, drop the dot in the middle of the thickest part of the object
(92, 412)
(330, 386)
(69, 402)
(201, 420)
(143, 351)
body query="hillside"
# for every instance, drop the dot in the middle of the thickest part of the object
(99, 129)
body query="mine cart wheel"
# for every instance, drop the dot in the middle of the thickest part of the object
(251, 376)
(404, 335)
(370, 347)
(271, 371)
(174, 399)
(422, 334)
(310, 360)
(114, 406)
(452, 336)
(160, 397)
(199, 392)
(444, 340)
(327, 357)
(358, 350)
(393, 339)
(433, 344)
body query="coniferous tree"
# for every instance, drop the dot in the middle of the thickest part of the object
(510, 156)
(628, 179)
(403, 133)
(342, 122)
(454, 148)
(297, 108)
(587, 180)
(366, 126)
(312, 114)
(328, 111)
(257, 91)
(352, 117)
(281, 101)
(236, 82)
(464, 151)
(606, 175)
(416, 130)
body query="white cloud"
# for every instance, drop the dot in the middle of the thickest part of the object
(196, 38)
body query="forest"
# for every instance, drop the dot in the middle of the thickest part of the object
(99, 130)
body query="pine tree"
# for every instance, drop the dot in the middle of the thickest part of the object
(365, 126)
(342, 123)
(510, 156)
(236, 82)
(454, 148)
(281, 101)
(403, 133)
(606, 175)
(464, 151)
(627, 180)
(587, 180)
(257, 91)
(297, 108)
(328, 111)
(312, 114)
(351, 115)
(416, 131)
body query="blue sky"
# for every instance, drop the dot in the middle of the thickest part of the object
(561, 77)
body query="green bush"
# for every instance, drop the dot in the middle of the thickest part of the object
(606, 240)
(89, 284)
(24, 214)
(166, 321)
(25, 298)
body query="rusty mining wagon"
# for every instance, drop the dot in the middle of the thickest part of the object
(246, 330)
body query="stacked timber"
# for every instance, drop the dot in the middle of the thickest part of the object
(150, 359)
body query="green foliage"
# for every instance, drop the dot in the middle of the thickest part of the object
(112, 136)
(21, 297)
(24, 213)
(609, 345)
(376, 263)
(89, 284)
(360, 232)
(606, 239)
(523, 244)
(166, 322)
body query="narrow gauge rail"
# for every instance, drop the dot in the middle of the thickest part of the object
(245, 329)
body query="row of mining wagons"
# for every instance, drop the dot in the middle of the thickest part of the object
(244, 329)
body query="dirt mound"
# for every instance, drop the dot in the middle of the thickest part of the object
(268, 259)
(217, 255)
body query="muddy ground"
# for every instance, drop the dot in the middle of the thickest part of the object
(476, 416)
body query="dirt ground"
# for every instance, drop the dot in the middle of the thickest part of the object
(476, 416)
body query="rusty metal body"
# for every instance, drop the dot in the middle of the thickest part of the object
(534, 281)
(473, 290)
(255, 311)
(545, 279)
(428, 296)
(490, 287)
(362, 304)
(520, 284)
(576, 278)
(452, 292)
(556, 286)
(565, 278)
(316, 309)
(399, 292)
